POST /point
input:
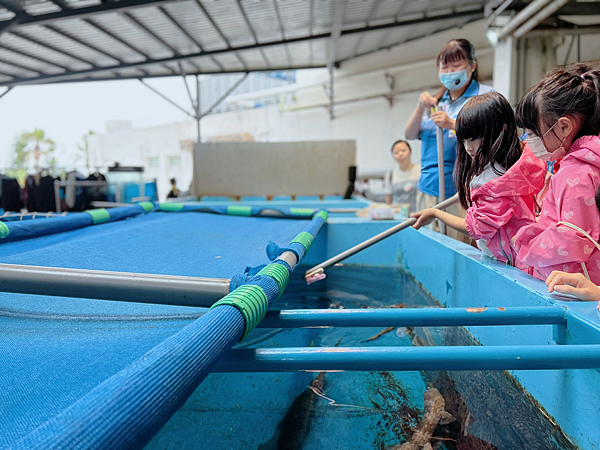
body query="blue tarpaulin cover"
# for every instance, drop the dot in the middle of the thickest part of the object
(55, 350)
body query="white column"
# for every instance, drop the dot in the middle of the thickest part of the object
(505, 68)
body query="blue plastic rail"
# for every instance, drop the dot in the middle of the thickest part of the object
(517, 357)
(415, 317)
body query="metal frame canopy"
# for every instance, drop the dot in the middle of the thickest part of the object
(50, 41)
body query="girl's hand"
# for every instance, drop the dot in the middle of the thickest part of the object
(424, 217)
(426, 100)
(443, 120)
(574, 284)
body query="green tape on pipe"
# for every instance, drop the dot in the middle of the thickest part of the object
(323, 215)
(4, 231)
(279, 273)
(148, 206)
(251, 301)
(305, 239)
(237, 210)
(99, 215)
(168, 206)
(302, 211)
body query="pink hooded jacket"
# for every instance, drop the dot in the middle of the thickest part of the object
(569, 212)
(505, 204)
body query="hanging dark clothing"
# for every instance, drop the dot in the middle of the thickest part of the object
(11, 195)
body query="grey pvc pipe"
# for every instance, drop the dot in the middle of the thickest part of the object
(523, 15)
(119, 286)
(375, 239)
(539, 17)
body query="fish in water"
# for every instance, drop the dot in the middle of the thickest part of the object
(292, 431)
(335, 293)
(435, 412)
(381, 333)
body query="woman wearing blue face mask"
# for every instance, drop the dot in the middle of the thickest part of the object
(458, 73)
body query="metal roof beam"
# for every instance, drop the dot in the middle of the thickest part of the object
(179, 27)
(310, 32)
(116, 38)
(9, 24)
(187, 34)
(149, 32)
(407, 39)
(80, 42)
(37, 58)
(339, 10)
(61, 4)
(105, 7)
(252, 31)
(282, 31)
(19, 66)
(475, 14)
(218, 30)
(63, 80)
(53, 48)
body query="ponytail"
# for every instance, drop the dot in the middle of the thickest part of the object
(572, 90)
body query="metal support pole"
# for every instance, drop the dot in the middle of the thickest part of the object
(414, 317)
(8, 89)
(374, 240)
(166, 98)
(198, 116)
(330, 93)
(187, 88)
(497, 357)
(119, 286)
(226, 94)
(439, 136)
(569, 50)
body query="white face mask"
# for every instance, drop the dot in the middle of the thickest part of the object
(539, 149)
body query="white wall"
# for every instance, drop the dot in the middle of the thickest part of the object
(372, 123)
(138, 147)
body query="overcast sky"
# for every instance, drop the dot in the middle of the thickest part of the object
(68, 111)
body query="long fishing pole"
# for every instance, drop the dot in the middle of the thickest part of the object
(319, 269)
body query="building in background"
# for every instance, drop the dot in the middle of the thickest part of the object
(374, 95)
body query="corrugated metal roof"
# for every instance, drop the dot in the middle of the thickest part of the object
(46, 41)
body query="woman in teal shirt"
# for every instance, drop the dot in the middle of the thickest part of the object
(458, 73)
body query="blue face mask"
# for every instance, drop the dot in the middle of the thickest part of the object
(454, 80)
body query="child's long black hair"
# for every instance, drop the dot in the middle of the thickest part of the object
(489, 117)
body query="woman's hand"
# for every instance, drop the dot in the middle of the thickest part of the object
(574, 284)
(424, 217)
(426, 100)
(443, 120)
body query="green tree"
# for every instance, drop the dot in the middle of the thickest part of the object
(33, 145)
(85, 149)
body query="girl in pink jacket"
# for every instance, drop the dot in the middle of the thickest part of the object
(496, 178)
(561, 113)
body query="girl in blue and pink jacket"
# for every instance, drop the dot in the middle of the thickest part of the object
(496, 177)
